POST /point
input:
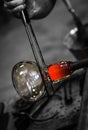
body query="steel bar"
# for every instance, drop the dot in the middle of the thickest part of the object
(79, 64)
(77, 20)
(31, 35)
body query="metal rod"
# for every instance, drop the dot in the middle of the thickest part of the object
(77, 20)
(41, 56)
(33, 47)
(38, 48)
(30, 34)
(68, 94)
(68, 5)
(79, 64)
(70, 91)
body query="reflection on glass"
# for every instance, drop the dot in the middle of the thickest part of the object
(27, 80)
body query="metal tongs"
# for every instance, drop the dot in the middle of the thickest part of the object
(35, 48)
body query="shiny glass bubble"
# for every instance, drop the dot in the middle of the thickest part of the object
(27, 80)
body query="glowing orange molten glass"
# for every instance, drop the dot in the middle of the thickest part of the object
(59, 71)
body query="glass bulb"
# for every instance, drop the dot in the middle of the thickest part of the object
(27, 80)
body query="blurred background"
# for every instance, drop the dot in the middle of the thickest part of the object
(50, 32)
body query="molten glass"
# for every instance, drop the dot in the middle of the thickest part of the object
(27, 80)
(59, 71)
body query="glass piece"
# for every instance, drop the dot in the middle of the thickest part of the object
(27, 80)
(59, 71)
